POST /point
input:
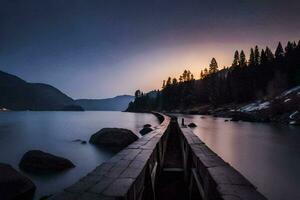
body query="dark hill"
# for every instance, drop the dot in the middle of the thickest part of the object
(118, 103)
(17, 94)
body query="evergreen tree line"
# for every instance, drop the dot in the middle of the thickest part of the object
(263, 75)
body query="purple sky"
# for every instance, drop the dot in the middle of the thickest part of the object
(103, 48)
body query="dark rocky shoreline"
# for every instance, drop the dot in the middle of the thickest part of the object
(230, 112)
(260, 117)
(283, 108)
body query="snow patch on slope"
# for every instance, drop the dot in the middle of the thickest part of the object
(285, 93)
(255, 106)
(293, 114)
(261, 105)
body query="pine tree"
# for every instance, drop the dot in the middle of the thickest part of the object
(188, 75)
(174, 81)
(263, 57)
(164, 84)
(213, 67)
(169, 82)
(236, 59)
(279, 53)
(252, 57)
(205, 72)
(184, 75)
(256, 56)
(243, 61)
(269, 54)
(201, 74)
(289, 48)
(180, 79)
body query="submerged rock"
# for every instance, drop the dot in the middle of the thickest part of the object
(14, 185)
(192, 125)
(37, 161)
(79, 140)
(113, 137)
(145, 130)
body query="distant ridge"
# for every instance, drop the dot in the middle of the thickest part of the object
(118, 103)
(17, 94)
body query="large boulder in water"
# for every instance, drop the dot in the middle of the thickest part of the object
(192, 125)
(14, 185)
(145, 130)
(37, 161)
(113, 137)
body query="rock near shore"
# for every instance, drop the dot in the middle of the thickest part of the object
(145, 130)
(13, 185)
(113, 137)
(192, 125)
(37, 161)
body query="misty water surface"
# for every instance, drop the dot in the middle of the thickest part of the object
(267, 154)
(54, 132)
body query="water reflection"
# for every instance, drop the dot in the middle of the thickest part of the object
(267, 154)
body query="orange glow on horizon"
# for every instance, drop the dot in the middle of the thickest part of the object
(172, 62)
(149, 67)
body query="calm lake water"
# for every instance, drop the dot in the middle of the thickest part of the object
(267, 154)
(54, 132)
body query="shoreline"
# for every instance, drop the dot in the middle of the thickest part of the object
(235, 115)
(283, 108)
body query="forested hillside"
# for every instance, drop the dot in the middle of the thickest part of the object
(260, 76)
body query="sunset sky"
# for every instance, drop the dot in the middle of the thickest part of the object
(104, 48)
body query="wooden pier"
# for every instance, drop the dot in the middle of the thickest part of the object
(171, 163)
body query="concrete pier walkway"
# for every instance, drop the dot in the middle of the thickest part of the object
(171, 163)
